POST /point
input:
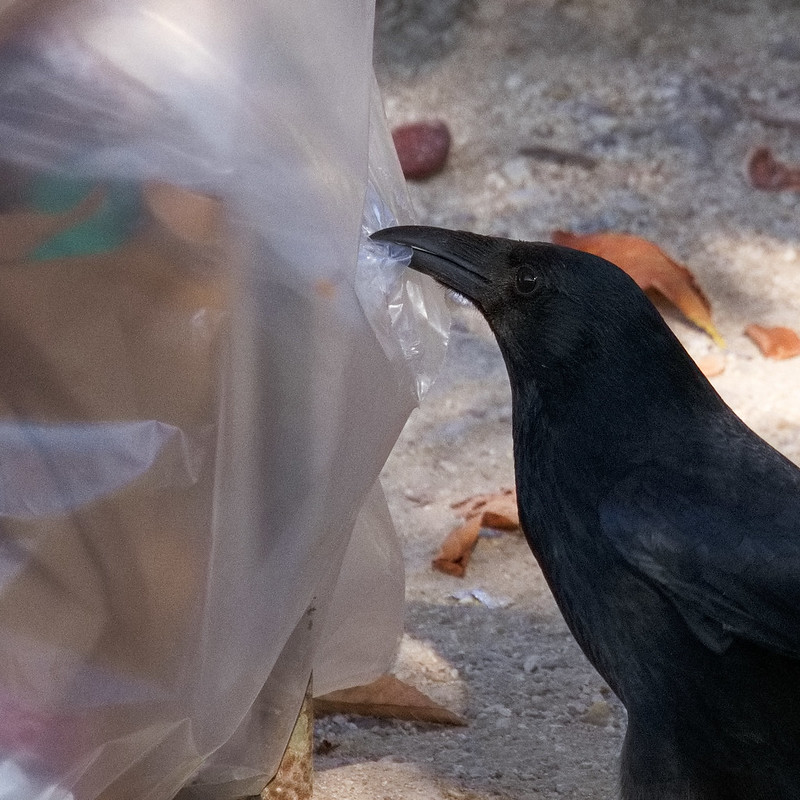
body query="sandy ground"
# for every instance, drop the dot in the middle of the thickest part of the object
(667, 102)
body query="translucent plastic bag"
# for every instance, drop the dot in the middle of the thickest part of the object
(204, 366)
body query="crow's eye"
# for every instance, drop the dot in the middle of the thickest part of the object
(527, 282)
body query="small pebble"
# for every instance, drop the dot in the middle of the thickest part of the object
(517, 170)
(531, 664)
(598, 713)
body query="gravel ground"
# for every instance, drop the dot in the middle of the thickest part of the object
(667, 102)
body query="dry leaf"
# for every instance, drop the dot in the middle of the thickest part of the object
(652, 269)
(766, 173)
(498, 510)
(386, 697)
(456, 549)
(712, 364)
(776, 342)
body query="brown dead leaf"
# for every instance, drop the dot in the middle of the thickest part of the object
(498, 510)
(767, 173)
(387, 697)
(456, 550)
(652, 269)
(777, 343)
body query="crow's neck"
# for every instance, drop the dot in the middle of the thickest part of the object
(599, 415)
(561, 477)
(580, 425)
(578, 430)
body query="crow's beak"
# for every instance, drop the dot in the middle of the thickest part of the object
(458, 259)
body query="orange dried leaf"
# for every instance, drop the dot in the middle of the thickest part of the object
(652, 269)
(496, 510)
(456, 549)
(767, 173)
(387, 697)
(775, 342)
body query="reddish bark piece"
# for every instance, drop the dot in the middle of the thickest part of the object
(387, 697)
(767, 173)
(651, 268)
(777, 343)
(422, 148)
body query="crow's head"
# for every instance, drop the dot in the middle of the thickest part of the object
(551, 308)
(580, 340)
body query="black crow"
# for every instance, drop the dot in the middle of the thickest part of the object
(667, 530)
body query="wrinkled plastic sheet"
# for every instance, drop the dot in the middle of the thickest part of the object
(203, 366)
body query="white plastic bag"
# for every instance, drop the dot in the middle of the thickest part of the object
(200, 380)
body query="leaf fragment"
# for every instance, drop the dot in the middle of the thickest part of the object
(652, 269)
(777, 342)
(456, 550)
(497, 510)
(769, 174)
(387, 697)
(712, 364)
